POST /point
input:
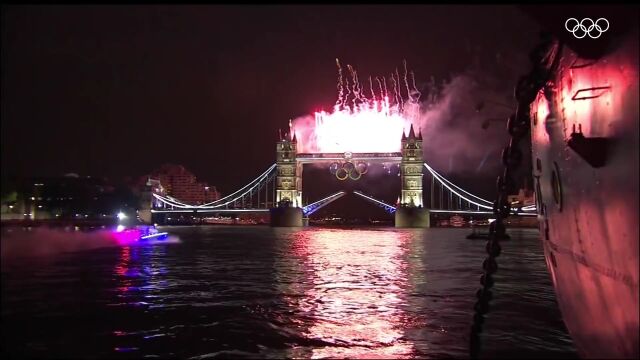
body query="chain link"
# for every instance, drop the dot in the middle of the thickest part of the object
(518, 127)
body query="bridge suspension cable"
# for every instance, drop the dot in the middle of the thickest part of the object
(170, 202)
(487, 204)
(258, 182)
(174, 200)
(261, 177)
(443, 179)
(457, 193)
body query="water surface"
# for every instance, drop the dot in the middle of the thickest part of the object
(263, 292)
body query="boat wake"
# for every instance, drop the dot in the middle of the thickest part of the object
(20, 243)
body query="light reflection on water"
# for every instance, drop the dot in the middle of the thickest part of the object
(274, 293)
(354, 293)
(137, 273)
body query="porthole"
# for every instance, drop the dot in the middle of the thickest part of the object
(556, 186)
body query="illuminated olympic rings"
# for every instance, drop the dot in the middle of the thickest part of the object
(340, 172)
(345, 170)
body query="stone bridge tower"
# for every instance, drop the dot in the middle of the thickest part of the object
(411, 211)
(288, 210)
(289, 173)
(411, 169)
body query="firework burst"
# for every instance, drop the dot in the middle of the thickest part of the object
(361, 122)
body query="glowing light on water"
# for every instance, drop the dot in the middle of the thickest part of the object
(352, 296)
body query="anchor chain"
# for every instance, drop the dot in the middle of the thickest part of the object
(518, 127)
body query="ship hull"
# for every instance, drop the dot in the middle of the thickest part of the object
(587, 195)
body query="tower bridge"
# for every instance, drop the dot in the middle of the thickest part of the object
(289, 167)
(278, 190)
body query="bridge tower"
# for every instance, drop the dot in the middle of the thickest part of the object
(288, 184)
(146, 201)
(411, 211)
(411, 169)
(289, 173)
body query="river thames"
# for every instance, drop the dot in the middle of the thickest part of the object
(248, 292)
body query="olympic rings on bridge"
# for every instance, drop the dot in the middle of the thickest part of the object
(341, 171)
(362, 168)
(345, 170)
(359, 175)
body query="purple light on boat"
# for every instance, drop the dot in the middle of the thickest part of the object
(126, 237)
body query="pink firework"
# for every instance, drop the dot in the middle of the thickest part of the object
(360, 123)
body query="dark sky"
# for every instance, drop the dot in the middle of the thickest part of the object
(119, 90)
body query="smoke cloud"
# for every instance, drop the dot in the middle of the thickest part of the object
(454, 139)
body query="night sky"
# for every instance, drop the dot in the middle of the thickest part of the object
(118, 90)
